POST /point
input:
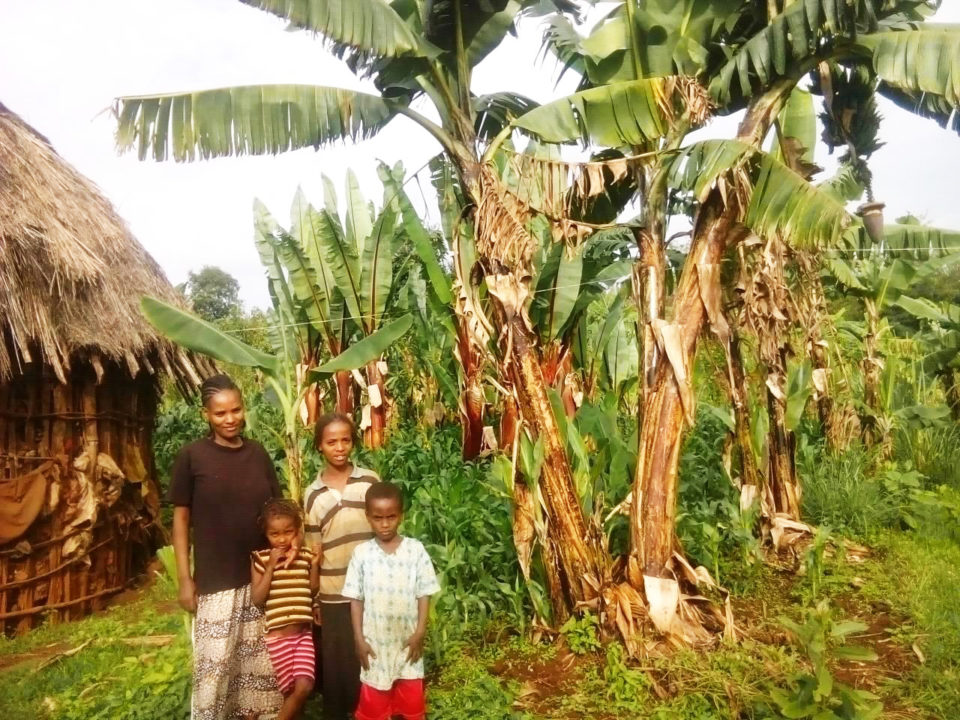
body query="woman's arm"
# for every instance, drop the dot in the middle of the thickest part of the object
(187, 589)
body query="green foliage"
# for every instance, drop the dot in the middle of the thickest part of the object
(580, 633)
(625, 685)
(852, 493)
(467, 690)
(213, 293)
(840, 490)
(813, 560)
(178, 423)
(103, 667)
(273, 118)
(816, 694)
(710, 525)
(625, 113)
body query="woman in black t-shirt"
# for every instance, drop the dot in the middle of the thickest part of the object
(218, 486)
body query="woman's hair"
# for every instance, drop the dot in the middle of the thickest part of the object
(216, 384)
(281, 507)
(328, 419)
(383, 491)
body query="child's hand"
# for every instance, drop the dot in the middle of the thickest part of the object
(414, 647)
(294, 552)
(276, 554)
(364, 653)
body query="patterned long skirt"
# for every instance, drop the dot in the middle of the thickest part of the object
(232, 674)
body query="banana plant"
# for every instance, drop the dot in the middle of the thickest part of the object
(339, 273)
(941, 343)
(284, 371)
(880, 283)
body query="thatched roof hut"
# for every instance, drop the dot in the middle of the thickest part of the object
(79, 384)
(71, 274)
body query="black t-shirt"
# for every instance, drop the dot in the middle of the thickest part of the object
(225, 489)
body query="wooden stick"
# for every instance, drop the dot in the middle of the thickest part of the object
(64, 536)
(55, 570)
(58, 606)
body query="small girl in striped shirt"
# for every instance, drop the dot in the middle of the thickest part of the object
(286, 594)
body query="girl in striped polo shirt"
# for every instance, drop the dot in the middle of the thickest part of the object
(336, 517)
(285, 589)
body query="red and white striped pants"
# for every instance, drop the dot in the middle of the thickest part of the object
(293, 657)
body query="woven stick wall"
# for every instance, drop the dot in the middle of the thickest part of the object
(78, 500)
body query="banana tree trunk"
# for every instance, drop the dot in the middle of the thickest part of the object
(749, 472)
(472, 399)
(508, 424)
(344, 382)
(948, 379)
(782, 487)
(579, 548)
(653, 518)
(649, 277)
(871, 366)
(373, 434)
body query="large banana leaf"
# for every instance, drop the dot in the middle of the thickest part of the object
(565, 290)
(923, 308)
(799, 390)
(920, 241)
(265, 232)
(359, 220)
(200, 336)
(923, 60)
(376, 268)
(415, 232)
(305, 230)
(246, 120)
(368, 349)
(667, 37)
(339, 254)
(622, 352)
(781, 201)
(845, 185)
(797, 120)
(792, 37)
(368, 26)
(625, 113)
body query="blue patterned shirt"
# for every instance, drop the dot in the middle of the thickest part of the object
(389, 586)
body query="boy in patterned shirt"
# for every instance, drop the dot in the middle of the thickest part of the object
(389, 582)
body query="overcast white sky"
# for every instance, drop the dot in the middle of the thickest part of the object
(62, 62)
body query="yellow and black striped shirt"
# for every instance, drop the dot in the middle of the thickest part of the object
(288, 600)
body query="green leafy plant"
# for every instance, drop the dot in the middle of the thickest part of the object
(813, 560)
(626, 686)
(581, 633)
(816, 694)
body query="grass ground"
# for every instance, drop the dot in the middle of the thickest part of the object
(132, 660)
(906, 593)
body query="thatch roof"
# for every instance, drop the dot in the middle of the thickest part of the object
(71, 273)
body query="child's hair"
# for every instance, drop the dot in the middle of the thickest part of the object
(383, 491)
(328, 419)
(281, 507)
(216, 384)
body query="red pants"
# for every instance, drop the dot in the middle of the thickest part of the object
(405, 699)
